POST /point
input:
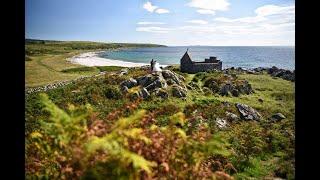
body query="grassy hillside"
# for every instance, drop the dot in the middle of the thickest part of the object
(45, 61)
(92, 130)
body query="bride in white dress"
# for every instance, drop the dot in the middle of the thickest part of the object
(155, 66)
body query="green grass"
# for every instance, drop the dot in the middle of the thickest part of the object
(277, 95)
(109, 68)
(46, 61)
(79, 70)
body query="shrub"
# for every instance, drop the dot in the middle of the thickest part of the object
(247, 140)
(212, 84)
(113, 79)
(79, 69)
(126, 163)
(109, 68)
(199, 76)
(189, 158)
(256, 168)
(112, 92)
(56, 141)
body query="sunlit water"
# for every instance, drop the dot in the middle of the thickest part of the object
(235, 56)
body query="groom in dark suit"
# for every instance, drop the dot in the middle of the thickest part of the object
(152, 64)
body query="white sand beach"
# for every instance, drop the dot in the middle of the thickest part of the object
(92, 59)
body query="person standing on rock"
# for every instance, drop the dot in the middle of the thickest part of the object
(152, 65)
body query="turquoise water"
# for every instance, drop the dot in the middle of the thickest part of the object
(241, 56)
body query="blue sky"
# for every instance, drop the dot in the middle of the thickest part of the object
(169, 22)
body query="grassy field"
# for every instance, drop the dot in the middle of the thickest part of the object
(45, 61)
(158, 138)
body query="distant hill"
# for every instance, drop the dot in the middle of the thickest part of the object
(40, 41)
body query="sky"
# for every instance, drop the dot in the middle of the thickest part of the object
(167, 22)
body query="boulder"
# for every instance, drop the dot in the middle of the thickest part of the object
(249, 71)
(124, 89)
(159, 82)
(272, 69)
(170, 82)
(181, 77)
(143, 93)
(226, 103)
(277, 117)
(225, 89)
(178, 91)
(244, 88)
(144, 80)
(235, 93)
(259, 69)
(221, 123)
(282, 73)
(213, 85)
(129, 83)
(123, 71)
(167, 74)
(231, 116)
(247, 112)
(162, 93)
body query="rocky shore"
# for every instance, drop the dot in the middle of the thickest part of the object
(273, 71)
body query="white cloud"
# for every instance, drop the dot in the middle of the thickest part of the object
(270, 25)
(209, 6)
(148, 23)
(198, 22)
(149, 7)
(153, 29)
(254, 19)
(269, 19)
(206, 11)
(162, 11)
(265, 14)
(268, 10)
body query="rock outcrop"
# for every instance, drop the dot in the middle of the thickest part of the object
(162, 93)
(129, 83)
(156, 83)
(143, 93)
(221, 123)
(247, 112)
(273, 71)
(231, 116)
(178, 91)
(173, 77)
(277, 117)
(282, 73)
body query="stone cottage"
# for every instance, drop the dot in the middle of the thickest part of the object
(189, 66)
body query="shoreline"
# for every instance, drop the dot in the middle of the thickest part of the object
(92, 59)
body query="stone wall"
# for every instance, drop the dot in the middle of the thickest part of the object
(58, 84)
(200, 67)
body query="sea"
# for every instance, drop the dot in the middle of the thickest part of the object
(247, 57)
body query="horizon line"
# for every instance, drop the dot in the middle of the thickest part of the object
(39, 39)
